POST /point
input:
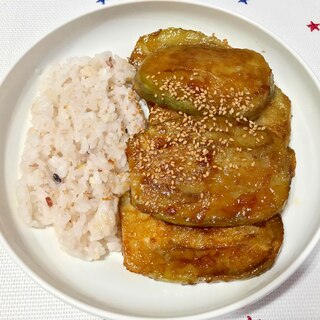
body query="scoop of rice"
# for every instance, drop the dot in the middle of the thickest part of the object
(74, 167)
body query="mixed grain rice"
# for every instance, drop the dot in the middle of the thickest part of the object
(74, 167)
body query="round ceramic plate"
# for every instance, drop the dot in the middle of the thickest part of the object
(106, 288)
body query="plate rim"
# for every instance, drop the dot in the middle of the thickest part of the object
(252, 298)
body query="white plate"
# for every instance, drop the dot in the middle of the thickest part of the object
(105, 288)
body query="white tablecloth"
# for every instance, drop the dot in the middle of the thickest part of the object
(24, 22)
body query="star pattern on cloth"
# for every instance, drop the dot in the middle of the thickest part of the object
(243, 1)
(313, 26)
(101, 1)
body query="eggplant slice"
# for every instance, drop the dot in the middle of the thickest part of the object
(171, 37)
(200, 79)
(202, 171)
(190, 255)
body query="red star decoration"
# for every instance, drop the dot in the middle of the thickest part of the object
(313, 26)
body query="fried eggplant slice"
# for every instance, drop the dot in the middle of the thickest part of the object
(202, 171)
(277, 115)
(190, 255)
(170, 37)
(198, 79)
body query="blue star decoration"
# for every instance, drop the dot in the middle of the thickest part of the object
(101, 1)
(243, 1)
